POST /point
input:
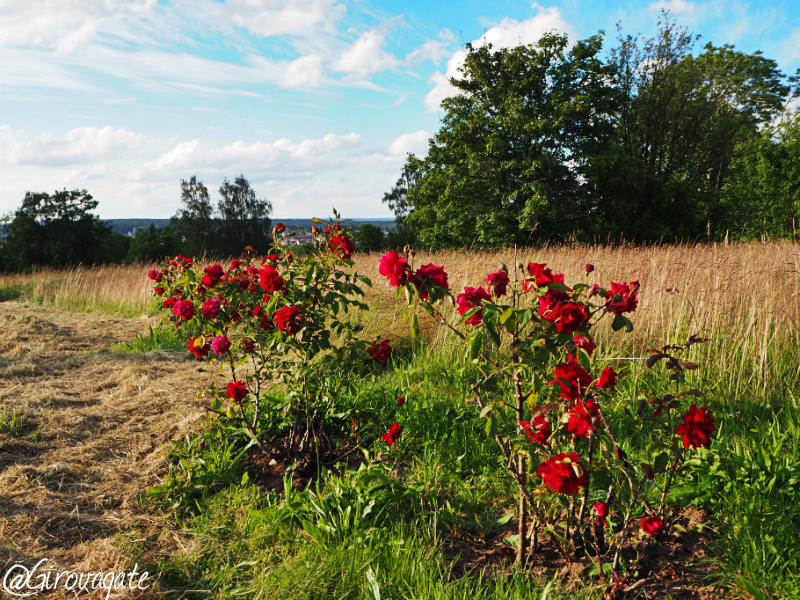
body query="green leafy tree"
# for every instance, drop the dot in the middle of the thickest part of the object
(194, 223)
(58, 231)
(369, 238)
(243, 218)
(508, 163)
(153, 244)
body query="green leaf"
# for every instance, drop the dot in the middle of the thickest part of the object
(620, 322)
(475, 345)
(190, 275)
(491, 427)
(524, 316)
(584, 360)
(507, 314)
(215, 404)
(559, 287)
(414, 326)
(486, 410)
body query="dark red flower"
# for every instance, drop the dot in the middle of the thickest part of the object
(391, 436)
(169, 302)
(394, 268)
(563, 473)
(210, 308)
(541, 275)
(213, 275)
(198, 346)
(582, 418)
(237, 391)
(543, 429)
(220, 344)
(567, 317)
(379, 352)
(183, 309)
(248, 345)
(622, 297)
(497, 282)
(235, 263)
(266, 323)
(280, 228)
(289, 319)
(652, 525)
(428, 274)
(154, 275)
(601, 512)
(341, 246)
(572, 378)
(158, 291)
(608, 378)
(697, 427)
(270, 280)
(589, 268)
(400, 401)
(587, 343)
(471, 298)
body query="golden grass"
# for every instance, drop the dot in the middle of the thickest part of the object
(745, 297)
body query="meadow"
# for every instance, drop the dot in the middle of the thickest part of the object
(238, 530)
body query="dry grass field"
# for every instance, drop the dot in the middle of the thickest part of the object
(101, 418)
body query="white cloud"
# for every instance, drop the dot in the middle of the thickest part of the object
(410, 143)
(266, 18)
(506, 34)
(365, 56)
(673, 6)
(306, 71)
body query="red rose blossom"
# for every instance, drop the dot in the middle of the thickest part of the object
(589, 268)
(582, 418)
(601, 512)
(541, 275)
(652, 525)
(563, 473)
(608, 378)
(379, 352)
(567, 317)
(572, 378)
(400, 401)
(394, 268)
(698, 425)
(622, 297)
(198, 346)
(237, 391)
(280, 228)
(220, 344)
(210, 308)
(183, 309)
(543, 429)
(235, 263)
(425, 275)
(497, 282)
(391, 436)
(289, 319)
(586, 343)
(471, 298)
(213, 275)
(341, 246)
(270, 280)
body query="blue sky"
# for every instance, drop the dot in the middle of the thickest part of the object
(316, 102)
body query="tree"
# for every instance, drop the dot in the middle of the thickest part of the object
(154, 244)
(399, 203)
(58, 231)
(508, 163)
(194, 223)
(370, 238)
(243, 218)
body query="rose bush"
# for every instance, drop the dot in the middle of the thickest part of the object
(544, 401)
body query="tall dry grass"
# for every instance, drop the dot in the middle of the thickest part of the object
(745, 297)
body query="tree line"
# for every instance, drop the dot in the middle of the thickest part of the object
(546, 143)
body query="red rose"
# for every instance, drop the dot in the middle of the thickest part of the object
(543, 429)
(698, 425)
(280, 228)
(601, 511)
(183, 309)
(652, 525)
(497, 282)
(582, 418)
(394, 268)
(266, 323)
(622, 297)
(567, 317)
(572, 378)
(608, 378)
(154, 275)
(248, 345)
(426, 274)
(220, 344)
(270, 280)
(329, 230)
(237, 391)
(589, 268)
(158, 291)
(198, 346)
(289, 319)
(563, 473)
(541, 275)
(213, 275)
(210, 308)
(471, 298)
(400, 401)
(587, 343)
(379, 352)
(391, 436)
(169, 302)
(341, 246)
(235, 263)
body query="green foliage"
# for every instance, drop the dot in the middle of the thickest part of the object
(10, 423)
(158, 340)
(370, 238)
(153, 244)
(59, 231)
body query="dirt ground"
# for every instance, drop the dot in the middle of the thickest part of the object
(94, 433)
